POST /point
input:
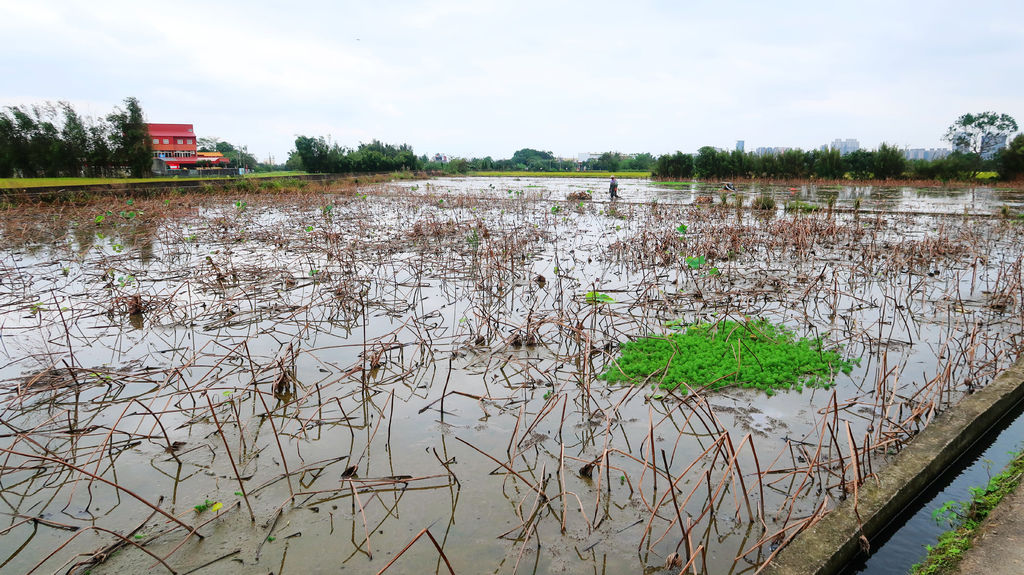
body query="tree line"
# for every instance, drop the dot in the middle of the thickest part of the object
(531, 160)
(887, 162)
(54, 140)
(321, 156)
(977, 141)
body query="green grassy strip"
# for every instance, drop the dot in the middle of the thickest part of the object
(945, 557)
(591, 174)
(677, 185)
(754, 354)
(58, 182)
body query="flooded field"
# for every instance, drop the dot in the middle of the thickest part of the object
(406, 377)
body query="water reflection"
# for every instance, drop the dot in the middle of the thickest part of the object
(401, 369)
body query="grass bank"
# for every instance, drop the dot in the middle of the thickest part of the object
(966, 517)
(59, 182)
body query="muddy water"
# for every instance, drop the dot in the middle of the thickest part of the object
(420, 358)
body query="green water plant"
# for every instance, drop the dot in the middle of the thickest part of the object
(802, 207)
(598, 297)
(695, 262)
(763, 202)
(751, 353)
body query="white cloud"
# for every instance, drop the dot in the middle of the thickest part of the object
(478, 78)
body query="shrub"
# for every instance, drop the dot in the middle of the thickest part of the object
(763, 202)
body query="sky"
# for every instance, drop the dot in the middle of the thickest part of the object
(475, 78)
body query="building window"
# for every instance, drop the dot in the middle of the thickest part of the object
(188, 140)
(167, 141)
(156, 140)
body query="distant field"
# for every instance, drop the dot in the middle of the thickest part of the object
(633, 175)
(56, 182)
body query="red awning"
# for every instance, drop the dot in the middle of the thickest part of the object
(178, 163)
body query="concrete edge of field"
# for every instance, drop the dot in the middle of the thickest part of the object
(833, 541)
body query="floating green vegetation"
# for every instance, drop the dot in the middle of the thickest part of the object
(754, 353)
(798, 206)
(598, 297)
(677, 185)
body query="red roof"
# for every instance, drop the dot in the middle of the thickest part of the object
(171, 130)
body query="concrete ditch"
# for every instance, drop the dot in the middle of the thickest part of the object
(834, 541)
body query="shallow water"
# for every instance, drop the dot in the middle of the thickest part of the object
(394, 364)
(908, 543)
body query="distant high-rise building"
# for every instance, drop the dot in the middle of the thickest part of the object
(740, 145)
(846, 146)
(771, 150)
(992, 143)
(961, 143)
(927, 154)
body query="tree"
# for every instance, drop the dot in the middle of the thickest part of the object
(208, 144)
(981, 134)
(131, 143)
(707, 164)
(457, 166)
(792, 164)
(100, 156)
(526, 155)
(238, 156)
(74, 142)
(678, 165)
(314, 153)
(889, 162)
(829, 164)
(8, 145)
(608, 161)
(294, 162)
(860, 163)
(320, 156)
(642, 162)
(741, 163)
(1011, 159)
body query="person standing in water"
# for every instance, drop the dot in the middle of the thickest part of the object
(613, 189)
